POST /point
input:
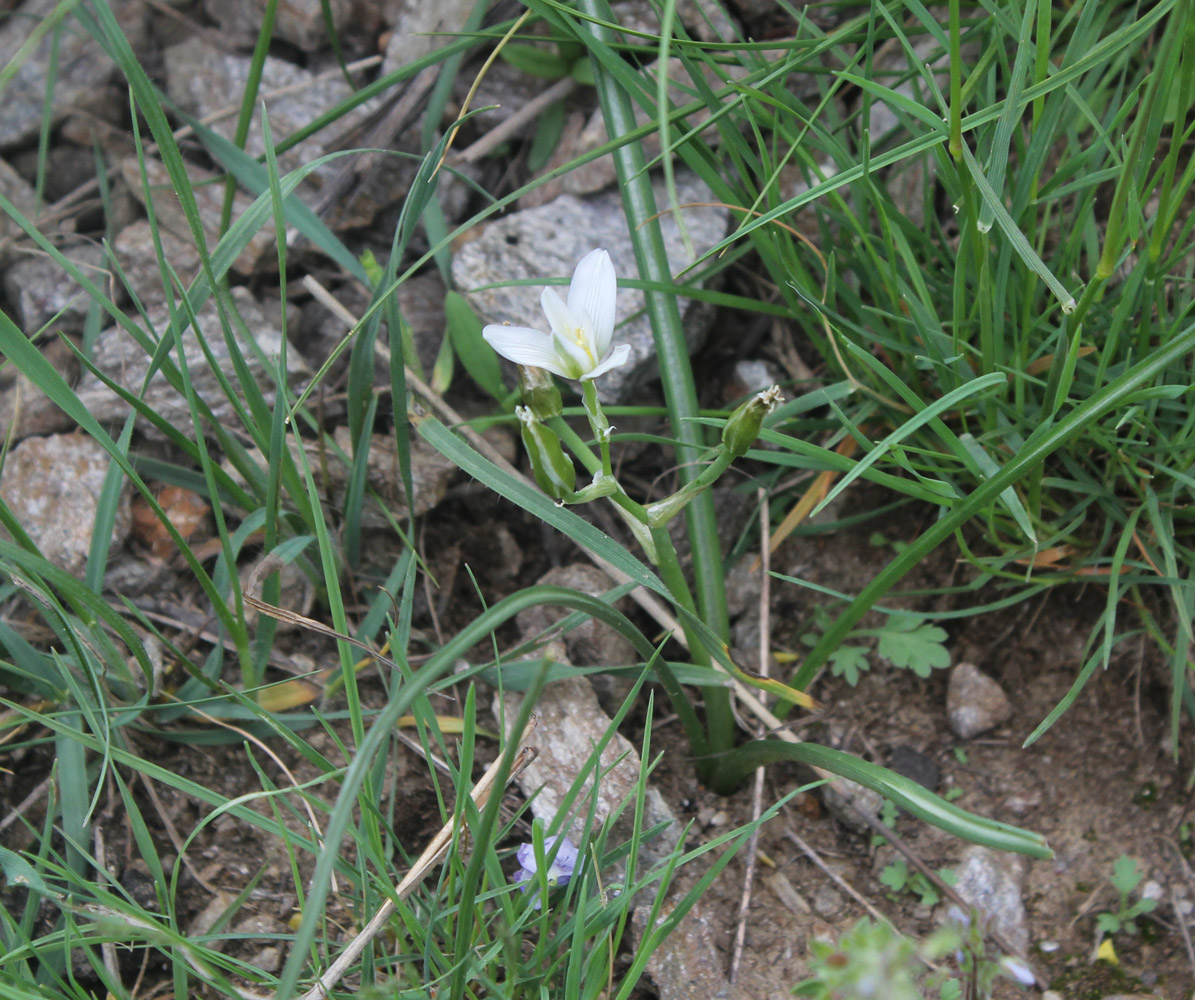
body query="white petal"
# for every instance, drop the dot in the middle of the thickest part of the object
(570, 343)
(525, 346)
(592, 294)
(616, 358)
(571, 355)
(560, 317)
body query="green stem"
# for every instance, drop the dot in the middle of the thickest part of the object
(599, 423)
(633, 514)
(956, 86)
(662, 511)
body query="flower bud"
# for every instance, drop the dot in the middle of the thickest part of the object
(552, 468)
(742, 427)
(540, 393)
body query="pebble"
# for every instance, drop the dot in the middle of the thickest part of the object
(118, 355)
(992, 881)
(975, 703)
(42, 291)
(592, 643)
(53, 484)
(843, 796)
(84, 71)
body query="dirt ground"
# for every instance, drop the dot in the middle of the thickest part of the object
(1100, 784)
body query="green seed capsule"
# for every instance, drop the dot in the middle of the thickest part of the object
(552, 468)
(743, 426)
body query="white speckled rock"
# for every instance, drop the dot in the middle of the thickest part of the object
(992, 881)
(53, 486)
(83, 72)
(41, 290)
(118, 355)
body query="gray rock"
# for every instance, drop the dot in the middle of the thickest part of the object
(548, 241)
(687, 964)
(135, 250)
(421, 304)
(20, 192)
(599, 174)
(83, 74)
(703, 19)
(41, 290)
(24, 409)
(431, 474)
(209, 198)
(68, 166)
(992, 882)
(592, 643)
(571, 723)
(419, 28)
(53, 485)
(842, 797)
(118, 355)
(974, 702)
(269, 959)
(828, 902)
(300, 22)
(203, 79)
(752, 375)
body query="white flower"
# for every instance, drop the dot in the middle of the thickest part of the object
(579, 345)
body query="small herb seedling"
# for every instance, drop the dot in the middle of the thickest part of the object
(1125, 878)
(899, 879)
(905, 641)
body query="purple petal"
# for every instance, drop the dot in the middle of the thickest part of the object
(526, 858)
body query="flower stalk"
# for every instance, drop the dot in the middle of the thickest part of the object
(580, 348)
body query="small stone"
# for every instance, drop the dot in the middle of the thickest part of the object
(687, 964)
(299, 22)
(201, 79)
(599, 174)
(25, 410)
(118, 355)
(83, 71)
(209, 199)
(20, 192)
(991, 881)
(539, 243)
(138, 258)
(269, 959)
(42, 291)
(828, 902)
(974, 702)
(431, 475)
(1021, 804)
(752, 375)
(592, 643)
(53, 487)
(571, 723)
(843, 797)
(419, 29)
(703, 19)
(186, 510)
(206, 919)
(915, 766)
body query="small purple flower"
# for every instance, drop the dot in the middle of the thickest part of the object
(560, 871)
